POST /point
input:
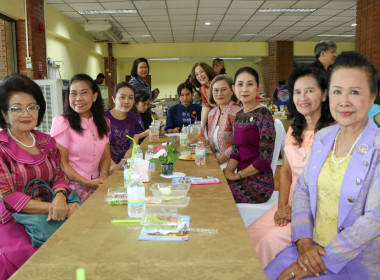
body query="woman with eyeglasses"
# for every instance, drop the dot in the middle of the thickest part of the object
(221, 118)
(26, 154)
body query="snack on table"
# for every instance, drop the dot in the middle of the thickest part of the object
(188, 156)
(117, 196)
(166, 190)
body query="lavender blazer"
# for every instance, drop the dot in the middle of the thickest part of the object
(357, 245)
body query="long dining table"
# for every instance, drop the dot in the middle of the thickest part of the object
(105, 250)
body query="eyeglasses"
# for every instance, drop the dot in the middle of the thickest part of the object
(19, 111)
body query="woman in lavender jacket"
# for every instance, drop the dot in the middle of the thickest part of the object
(336, 205)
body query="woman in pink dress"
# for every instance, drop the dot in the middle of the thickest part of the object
(26, 154)
(82, 136)
(309, 107)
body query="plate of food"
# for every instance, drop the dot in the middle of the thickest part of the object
(187, 156)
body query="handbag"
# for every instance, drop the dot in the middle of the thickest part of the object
(35, 224)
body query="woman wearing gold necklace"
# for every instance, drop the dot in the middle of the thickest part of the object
(309, 108)
(336, 205)
(254, 136)
(81, 134)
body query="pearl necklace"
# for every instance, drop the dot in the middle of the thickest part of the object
(349, 153)
(18, 141)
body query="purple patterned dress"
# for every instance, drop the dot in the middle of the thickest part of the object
(119, 143)
(254, 136)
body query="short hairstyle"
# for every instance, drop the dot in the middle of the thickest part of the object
(208, 70)
(216, 61)
(141, 96)
(377, 99)
(100, 76)
(299, 122)
(184, 85)
(97, 109)
(352, 59)
(323, 45)
(218, 78)
(248, 70)
(281, 82)
(136, 64)
(14, 84)
(122, 85)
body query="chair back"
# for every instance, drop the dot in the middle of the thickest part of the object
(279, 143)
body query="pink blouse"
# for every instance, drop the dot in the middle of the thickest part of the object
(84, 152)
(18, 167)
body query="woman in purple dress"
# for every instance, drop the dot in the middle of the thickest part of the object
(123, 122)
(26, 154)
(336, 204)
(254, 136)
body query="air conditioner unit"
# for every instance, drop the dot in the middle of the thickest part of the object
(103, 31)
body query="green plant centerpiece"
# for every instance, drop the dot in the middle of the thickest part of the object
(167, 155)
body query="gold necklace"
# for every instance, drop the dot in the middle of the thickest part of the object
(306, 153)
(92, 132)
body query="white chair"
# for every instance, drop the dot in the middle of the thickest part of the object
(251, 212)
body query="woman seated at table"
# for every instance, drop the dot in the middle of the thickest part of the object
(201, 76)
(254, 136)
(183, 113)
(123, 122)
(26, 154)
(81, 134)
(141, 107)
(336, 205)
(309, 108)
(221, 118)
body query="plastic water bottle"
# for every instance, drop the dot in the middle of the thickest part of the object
(128, 171)
(200, 154)
(149, 154)
(136, 197)
(151, 133)
(138, 152)
(183, 136)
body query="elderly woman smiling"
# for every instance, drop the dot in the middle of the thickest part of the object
(336, 205)
(26, 154)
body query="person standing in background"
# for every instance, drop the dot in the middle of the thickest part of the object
(281, 94)
(218, 65)
(100, 78)
(325, 53)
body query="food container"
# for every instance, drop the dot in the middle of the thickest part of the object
(167, 189)
(167, 201)
(116, 196)
(162, 218)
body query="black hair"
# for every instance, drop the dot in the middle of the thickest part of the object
(184, 85)
(323, 45)
(248, 70)
(100, 76)
(299, 122)
(121, 85)
(281, 82)
(141, 96)
(352, 59)
(97, 109)
(14, 84)
(136, 64)
(216, 61)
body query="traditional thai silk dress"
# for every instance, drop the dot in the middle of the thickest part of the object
(269, 239)
(17, 168)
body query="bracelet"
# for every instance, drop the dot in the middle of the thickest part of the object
(239, 173)
(62, 191)
(105, 172)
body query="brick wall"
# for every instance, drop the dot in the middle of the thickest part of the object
(5, 49)
(277, 66)
(368, 30)
(110, 71)
(36, 41)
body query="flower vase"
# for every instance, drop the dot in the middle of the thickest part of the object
(167, 169)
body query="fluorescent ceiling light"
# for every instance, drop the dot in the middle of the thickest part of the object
(335, 35)
(207, 23)
(354, 24)
(229, 58)
(136, 36)
(286, 10)
(107, 12)
(169, 58)
(257, 35)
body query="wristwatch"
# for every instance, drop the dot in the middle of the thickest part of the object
(62, 191)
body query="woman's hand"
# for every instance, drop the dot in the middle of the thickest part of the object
(309, 257)
(114, 168)
(174, 130)
(294, 271)
(230, 175)
(93, 184)
(72, 208)
(283, 215)
(58, 209)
